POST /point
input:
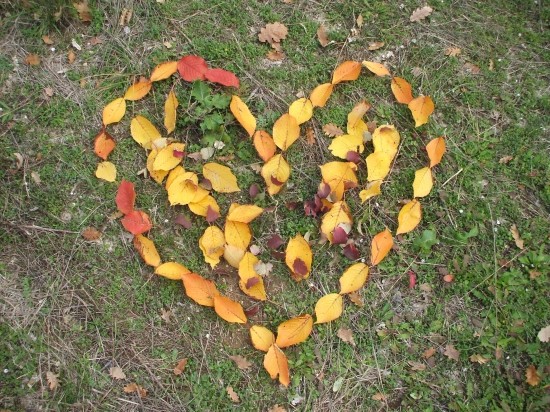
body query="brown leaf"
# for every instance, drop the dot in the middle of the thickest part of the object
(471, 68)
(376, 45)
(273, 33)
(275, 55)
(452, 51)
(277, 408)
(125, 17)
(95, 41)
(134, 387)
(421, 13)
(183, 220)
(116, 372)
(356, 298)
(417, 366)
(53, 382)
(275, 241)
(91, 233)
(359, 21)
(310, 136)
(32, 59)
(346, 335)
(47, 39)
(331, 130)
(428, 353)
(242, 362)
(322, 36)
(533, 274)
(180, 367)
(48, 91)
(505, 159)
(532, 375)
(476, 358)
(517, 237)
(451, 352)
(379, 397)
(232, 394)
(165, 316)
(83, 10)
(71, 56)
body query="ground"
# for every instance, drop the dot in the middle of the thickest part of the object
(76, 308)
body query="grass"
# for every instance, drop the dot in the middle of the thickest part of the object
(78, 308)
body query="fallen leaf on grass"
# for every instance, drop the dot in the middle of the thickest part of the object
(379, 397)
(134, 387)
(322, 36)
(71, 57)
(428, 353)
(331, 130)
(505, 159)
(476, 358)
(532, 375)
(376, 45)
(359, 21)
(452, 51)
(278, 408)
(346, 335)
(180, 367)
(417, 366)
(116, 372)
(356, 298)
(517, 237)
(273, 33)
(232, 394)
(275, 55)
(451, 352)
(53, 382)
(241, 362)
(310, 136)
(91, 233)
(471, 68)
(544, 334)
(84, 13)
(32, 59)
(47, 39)
(421, 13)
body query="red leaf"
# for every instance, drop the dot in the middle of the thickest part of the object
(252, 311)
(183, 221)
(352, 156)
(351, 252)
(323, 191)
(275, 241)
(252, 281)
(125, 197)
(339, 236)
(136, 222)
(276, 182)
(254, 191)
(412, 279)
(192, 68)
(221, 76)
(299, 267)
(205, 184)
(211, 214)
(179, 154)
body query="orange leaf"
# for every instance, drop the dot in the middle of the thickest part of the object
(199, 289)
(164, 71)
(320, 95)
(347, 71)
(409, 217)
(285, 131)
(136, 222)
(380, 247)
(103, 144)
(243, 115)
(262, 338)
(138, 90)
(377, 68)
(229, 310)
(114, 111)
(421, 108)
(147, 250)
(264, 144)
(125, 197)
(436, 148)
(532, 375)
(276, 363)
(402, 90)
(294, 331)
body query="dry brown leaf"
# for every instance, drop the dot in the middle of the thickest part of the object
(428, 353)
(48, 91)
(332, 130)
(273, 33)
(517, 237)
(310, 136)
(84, 12)
(241, 362)
(275, 55)
(180, 367)
(356, 298)
(95, 41)
(471, 68)
(451, 352)
(476, 358)
(71, 57)
(276, 408)
(322, 36)
(47, 39)
(32, 59)
(379, 397)
(532, 375)
(125, 17)
(505, 159)
(346, 335)
(452, 51)
(417, 366)
(232, 394)
(359, 21)
(533, 274)
(53, 382)
(376, 45)
(91, 233)
(134, 387)
(421, 13)
(166, 315)
(116, 372)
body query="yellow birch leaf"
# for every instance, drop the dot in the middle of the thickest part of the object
(138, 90)
(423, 182)
(320, 95)
(275, 173)
(341, 145)
(356, 125)
(409, 217)
(146, 248)
(386, 139)
(170, 107)
(222, 178)
(421, 108)
(172, 270)
(372, 189)
(346, 71)
(285, 131)
(301, 110)
(402, 90)
(157, 175)
(106, 171)
(377, 68)
(298, 249)
(233, 254)
(340, 176)
(354, 278)
(294, 331)
(114, 111)
(264, 145)
(244, 213)
(338, 216)
(229, 310)
(276, 363)
(201, 290)
(329, 307)
(143, 131)
(182, 191)
(378, 166)
(237, 234)
(250, 282)
(169, 157)
(164, 71)
(436, 148)
(212, 243)
(243, 115)
(261, 337)
(201, 208)
(380, 247)
(174, 174)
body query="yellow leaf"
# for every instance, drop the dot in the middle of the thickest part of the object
(355, 123)
(275, 173)
(164, 71)
(354, 278)
(301, 110)
(340, 176)
(421, 108)
(320, 95)
(172, 270)
(174, 174)
(338, 216)
(106, 171)
(294, 331)
(212, 243)
(201, 290)
(182, 191)
(285, 131)
(341, 145)
(402, 90)
(261, 337)
(276, 363)
(170, 107)
(250, 282)
(233, 254)
(328, 308)
(244, 213)
(165, 159)
(423, 182)
(138, 90)
(114, 111)
(298, 258)
(157, 175)
(237, 234)
(346, 71)
(409, 217)
(229, 310)
(222, 178)
(143, 131)
(377, 68)
(201, 208)
(380, 247)
(146, 248)
(436, 148)
(378, 166)
(243, 115)
(386, 139)
(372, 189)
(264, 144)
